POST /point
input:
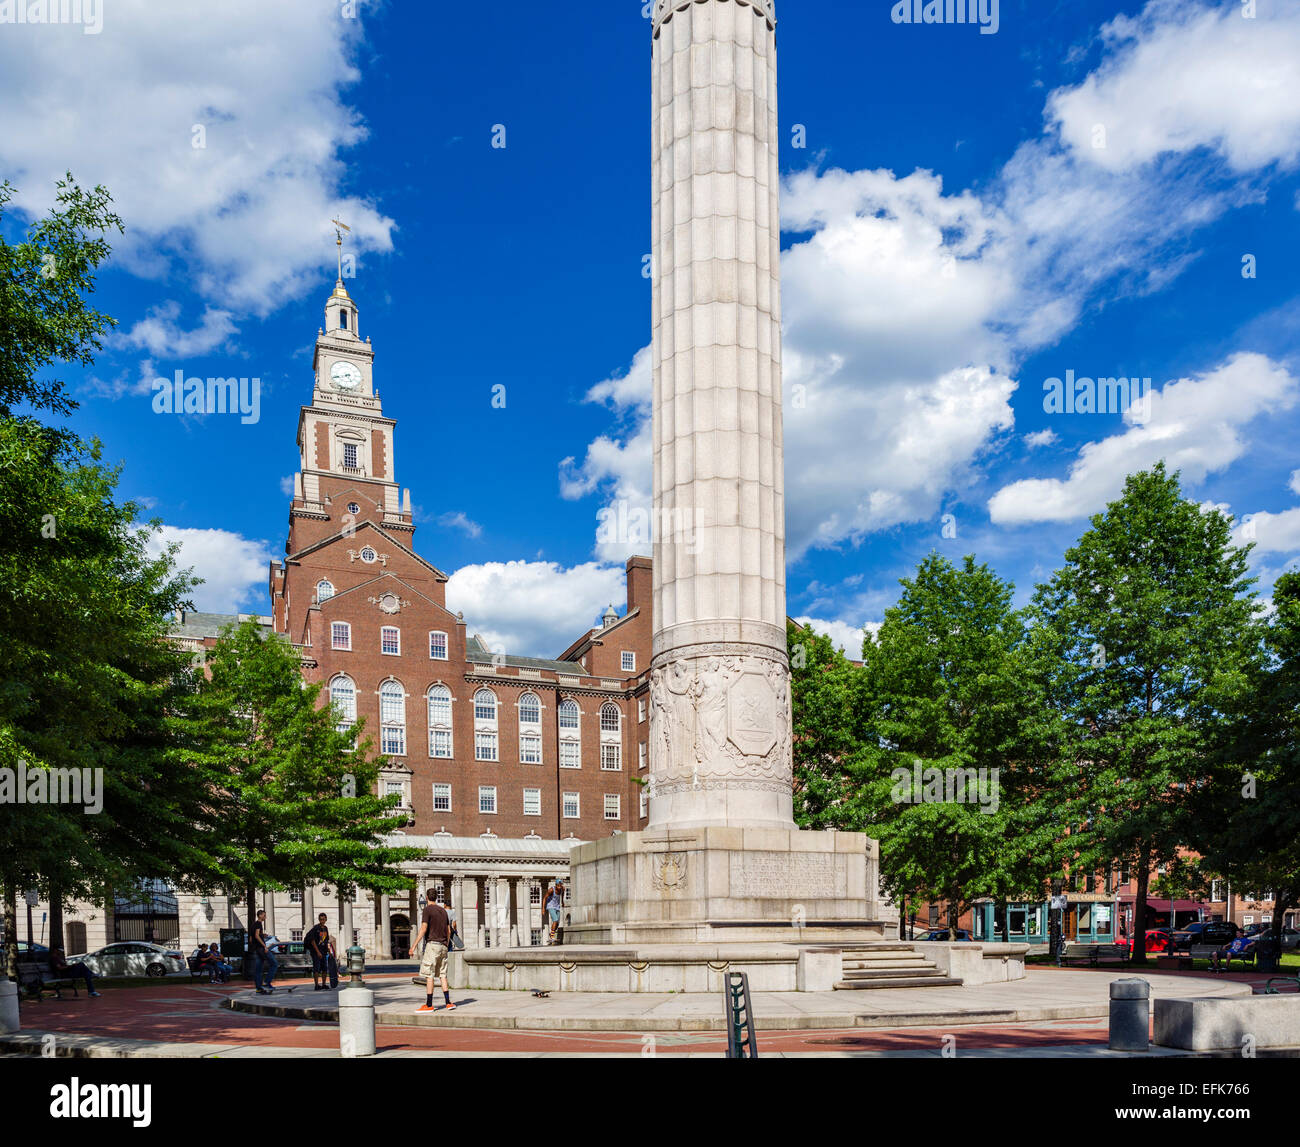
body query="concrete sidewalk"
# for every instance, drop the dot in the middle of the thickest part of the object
(1044, 994)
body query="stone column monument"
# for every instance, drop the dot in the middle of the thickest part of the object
(720, 682)
(721, 860)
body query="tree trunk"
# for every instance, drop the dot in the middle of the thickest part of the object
(1140, 909)
(1006, 922)
(11, 927)
(952, 920)
(56, 917)
(250, 907)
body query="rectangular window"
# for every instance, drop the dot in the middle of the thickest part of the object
(611, 758)
(629, 661)
(340, 635)
(571, 806)
(487, 799)
(440, 743)
(438, 646)
(535, 895)
(350, 455)
(532, 802)
(613, 806)
(390, 640)
(392, 741)
(640, 755)
(570, 755)
(645, 801)
(530, 750)
(535, 937)
(295, 935)
(442, 798)
(485, 746)
(394, 788)
(640, 710)
(295, 896)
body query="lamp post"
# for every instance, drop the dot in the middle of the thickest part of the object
(356, 1009)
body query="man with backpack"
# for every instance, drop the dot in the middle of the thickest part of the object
(435, 934)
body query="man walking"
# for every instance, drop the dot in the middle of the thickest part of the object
(263, 959)
(435, 933)
(318, 948)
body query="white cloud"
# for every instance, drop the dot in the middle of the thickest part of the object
(247, 214)
(845, 636)
(161, 335)
(534, 609)
(459, 520)
(1294, 484)
(234, 568)
(1196, 425)
(123, 385)
(1271, 533)
(1041, 438)
(1182, 76)
(287, 485)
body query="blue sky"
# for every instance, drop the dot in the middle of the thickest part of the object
(954, 235)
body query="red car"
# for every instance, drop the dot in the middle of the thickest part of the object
(1157, 940)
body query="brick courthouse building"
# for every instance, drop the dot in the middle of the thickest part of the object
(502, 762)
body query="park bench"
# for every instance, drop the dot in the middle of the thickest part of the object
(1095, 954)
(1078, 952)
(198, 971)
(1111, 954)
(35, 980)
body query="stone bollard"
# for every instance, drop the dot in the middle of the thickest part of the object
(356, 1021)
(1130, 1015)
(8, 1006)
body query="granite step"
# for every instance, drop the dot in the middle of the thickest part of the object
(929, 971)
(938, 981)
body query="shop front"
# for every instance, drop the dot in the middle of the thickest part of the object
(1085, 922)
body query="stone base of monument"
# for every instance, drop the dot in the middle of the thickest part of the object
(674, 910)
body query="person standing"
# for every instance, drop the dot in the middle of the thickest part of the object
(435, 933)
(555, 902)
(318, 948)
(264, 965)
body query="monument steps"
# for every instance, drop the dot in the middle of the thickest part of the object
(918, 980)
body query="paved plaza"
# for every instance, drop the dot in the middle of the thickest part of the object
(1053, 1012)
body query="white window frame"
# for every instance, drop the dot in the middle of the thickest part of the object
(440, 785)
(323, 585)
(644, 802)
(440, 739)
(486, 741)
(641, 755)
(384, 631)
(640, 710)
(577, 806)
(607, 733)
(486, 789)
(535, 801)
(346, 628)
(486, 722)
(440, 727)
(618, 806)
(627, 660)
(530, 748)
(574, 731)
(446, 645)
(349, 718)
(610, 750)
(574, 748)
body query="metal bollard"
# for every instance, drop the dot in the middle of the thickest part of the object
(356, 1021)
(8, 1006)
(1130, 1015)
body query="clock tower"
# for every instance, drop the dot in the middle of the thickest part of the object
(345, 444)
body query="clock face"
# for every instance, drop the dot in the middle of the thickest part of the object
(344, 376)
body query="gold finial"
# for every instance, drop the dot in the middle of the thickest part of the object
(339, 228)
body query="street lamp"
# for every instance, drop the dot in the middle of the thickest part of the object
(356, 965)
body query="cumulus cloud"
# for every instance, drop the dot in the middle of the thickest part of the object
(1197, 425)
(161, 334)
(845, 636)
(534, 609)
(1271, 533)
(1041, 438)
(1294, 484)
(233, 568)
(261, 87)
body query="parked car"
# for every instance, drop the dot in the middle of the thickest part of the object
(1290, 936)
(1157, 940)
(942, 934)
(134, 958)
(1209, 932)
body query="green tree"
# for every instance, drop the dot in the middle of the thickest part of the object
(1141, 641)
(822, 683)
(944, 691)
(292, 792)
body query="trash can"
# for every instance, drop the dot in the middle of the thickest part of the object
(1130, 1015)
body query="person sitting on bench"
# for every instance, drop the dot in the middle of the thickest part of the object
(218, 970)
(1241, 947)
(60, 969)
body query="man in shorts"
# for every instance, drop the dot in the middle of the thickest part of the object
(435, 933)
(317, 942)
(554, 903)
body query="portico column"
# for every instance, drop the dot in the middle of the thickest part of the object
(345, 941)
(308, 909)
(454, 897)
(521, 911)
(384, 928)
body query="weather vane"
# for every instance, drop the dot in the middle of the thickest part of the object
(339, 228)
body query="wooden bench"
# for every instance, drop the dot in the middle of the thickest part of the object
(35, 980)
(1080, 952)
(1111, 954)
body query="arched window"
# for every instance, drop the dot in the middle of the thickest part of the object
(440, 721)
(530, 729)
(392, 718)
(569, 715)
(610, 718)
(343, 695)
(485, 726)
(324, 591)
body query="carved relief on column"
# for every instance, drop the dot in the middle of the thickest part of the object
(720, 717)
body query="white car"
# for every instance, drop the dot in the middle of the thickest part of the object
(134, 958)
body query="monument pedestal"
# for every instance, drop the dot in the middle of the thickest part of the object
(724, 885)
